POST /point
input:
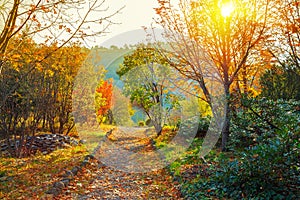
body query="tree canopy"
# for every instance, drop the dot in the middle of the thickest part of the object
(145, 74)
(210, 43)
(52, 22)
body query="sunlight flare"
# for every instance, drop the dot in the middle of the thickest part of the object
(227, 9)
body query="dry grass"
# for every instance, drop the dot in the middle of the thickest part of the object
(30, 178)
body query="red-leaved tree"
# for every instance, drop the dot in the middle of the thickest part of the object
(103, 99)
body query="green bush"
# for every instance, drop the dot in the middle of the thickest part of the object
(265, 161)
(281, 82)
(266, 171)
(141, 123)
(261, 119)
(148, 122)
(203, 126)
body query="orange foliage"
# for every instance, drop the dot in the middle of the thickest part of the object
(105, 89)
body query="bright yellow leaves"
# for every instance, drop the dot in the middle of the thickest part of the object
(30, 55)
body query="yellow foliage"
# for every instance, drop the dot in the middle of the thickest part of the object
(30, 178)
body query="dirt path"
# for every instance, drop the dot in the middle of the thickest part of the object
(119, 174)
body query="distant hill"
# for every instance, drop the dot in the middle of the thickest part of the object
(133, 37)
(113, 50)
(111, 59)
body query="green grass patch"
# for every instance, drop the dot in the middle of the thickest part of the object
(93, 135)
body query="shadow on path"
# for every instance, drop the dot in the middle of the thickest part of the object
(107, 178)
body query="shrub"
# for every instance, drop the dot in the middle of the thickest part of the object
(281, 82)
(266, 171)
(203, 126)
(149, 122)
(260, 119)
(141, 123)
(266, 165)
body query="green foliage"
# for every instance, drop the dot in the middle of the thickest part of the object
(260, 119)
(143, 55)
(145, 74)
(141, 123)
(265, 160)
(190, 157)
(204, 123)
(281, 83)
(268, 168)
(267, 171)
(174, 167)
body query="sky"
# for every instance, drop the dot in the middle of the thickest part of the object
(137, 13)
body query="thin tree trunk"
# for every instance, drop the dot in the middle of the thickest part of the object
(158, 129)
(226, 126)
(225, 130)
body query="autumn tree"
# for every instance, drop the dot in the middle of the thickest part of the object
(51, 23)
(213, 39)
(285, 41)
(87, 79)
(54, 21)
(103, 99)
(43, 96)
(20, 113)
(61, 70)
(281, 80)
(39, 58)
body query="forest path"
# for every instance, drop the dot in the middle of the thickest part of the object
(118, 173)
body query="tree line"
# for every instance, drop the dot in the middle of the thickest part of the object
(234, 49)
(41, 53)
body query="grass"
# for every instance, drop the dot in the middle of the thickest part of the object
(167, 134)
(30, 178)
(93, 135)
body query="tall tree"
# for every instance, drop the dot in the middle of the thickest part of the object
(213, 38)
(85, 85)
(56, 21)
(145, 75)
(285, 43)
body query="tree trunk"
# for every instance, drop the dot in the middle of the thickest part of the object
(110, 117)
(158, 129)
(225, 130)
(159, 132)
(226, 126)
